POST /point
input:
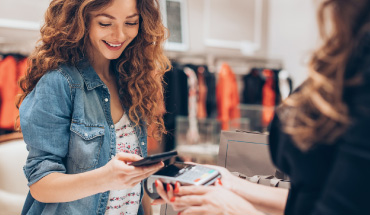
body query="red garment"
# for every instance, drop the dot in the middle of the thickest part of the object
(268, 97)
(227, 96)
(10, 73)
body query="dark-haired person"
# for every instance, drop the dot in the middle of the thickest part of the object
(94, 84)
(319, 137)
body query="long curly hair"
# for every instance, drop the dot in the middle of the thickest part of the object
(317, 113)
(64, 40)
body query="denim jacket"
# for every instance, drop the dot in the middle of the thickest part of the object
(68, 128)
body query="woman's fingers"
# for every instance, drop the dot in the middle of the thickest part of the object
(187, 201)
(169, 190)
(218, 182)
(160, 190)
(140, 175)
(127, 157)
(192, 190)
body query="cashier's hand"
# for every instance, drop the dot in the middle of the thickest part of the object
(120, 175)
(210, 200)
(227, 181)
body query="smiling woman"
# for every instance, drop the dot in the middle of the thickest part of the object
(111, 30)
(94, 84)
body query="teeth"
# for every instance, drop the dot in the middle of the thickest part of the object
(113, 45)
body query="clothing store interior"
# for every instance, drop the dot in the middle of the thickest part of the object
(233, 62)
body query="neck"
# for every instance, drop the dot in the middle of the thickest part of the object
(101, 66)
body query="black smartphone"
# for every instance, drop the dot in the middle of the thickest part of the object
(152, 159)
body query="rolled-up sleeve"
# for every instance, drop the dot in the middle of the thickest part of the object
(45, 117)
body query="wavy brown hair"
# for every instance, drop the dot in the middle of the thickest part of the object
(64, 40)
(317, 113)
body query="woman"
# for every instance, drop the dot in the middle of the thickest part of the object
(319, 136)
(93, 86)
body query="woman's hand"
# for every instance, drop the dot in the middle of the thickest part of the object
(227, 180)
(121, 175)
(211, 200)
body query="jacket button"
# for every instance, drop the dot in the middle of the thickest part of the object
(112, 156)
(112, 126)
(85, 134)
(106, 99)
(142, 143)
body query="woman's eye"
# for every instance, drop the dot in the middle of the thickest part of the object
(132, 23)
(104, 24)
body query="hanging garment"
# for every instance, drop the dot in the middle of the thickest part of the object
(227, 96)
(10, 73)
(192, 135)
(210, 83)
(252, 91)
(268, 99)
(285, 84)
(211, 103)
(176, 102)
(202, 94)
(278, 98)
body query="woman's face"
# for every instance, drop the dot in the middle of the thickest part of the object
(112, 29)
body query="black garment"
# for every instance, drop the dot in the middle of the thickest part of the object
(331, 179)
(253, 84)
(176, 101)
(277, 87)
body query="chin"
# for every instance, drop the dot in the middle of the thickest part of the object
(111, 56)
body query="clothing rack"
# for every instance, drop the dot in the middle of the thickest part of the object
(240, 64)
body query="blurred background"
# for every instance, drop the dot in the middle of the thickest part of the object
(233, 62)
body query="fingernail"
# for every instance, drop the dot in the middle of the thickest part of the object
(179, 213)
(168, 187)
(177, 187)
(173, 199)
(153, 203)
(219, 181)
(156, 183)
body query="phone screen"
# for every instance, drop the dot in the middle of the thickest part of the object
(152, 159)
(174, 169)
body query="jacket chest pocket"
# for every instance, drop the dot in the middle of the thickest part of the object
(85, 145)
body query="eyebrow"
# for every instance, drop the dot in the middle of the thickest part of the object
(133, 15)
(112, 17)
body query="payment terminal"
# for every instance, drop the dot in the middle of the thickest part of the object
(186, 174)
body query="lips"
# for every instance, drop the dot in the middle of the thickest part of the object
(113, 46)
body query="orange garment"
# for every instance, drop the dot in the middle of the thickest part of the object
(227, 96)
(202, 95)
(268, 97)
(10, 73)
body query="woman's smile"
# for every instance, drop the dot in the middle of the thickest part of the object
(113, 46)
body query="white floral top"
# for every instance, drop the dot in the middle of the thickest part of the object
(127, 201)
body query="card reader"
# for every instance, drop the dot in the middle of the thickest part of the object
(186, 174)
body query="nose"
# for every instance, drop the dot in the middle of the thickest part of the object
(118, 34)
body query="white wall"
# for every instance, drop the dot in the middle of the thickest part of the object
(289, 33)
(14, 16)
(292, 35)
(289, 30)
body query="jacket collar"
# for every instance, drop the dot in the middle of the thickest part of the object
(89, 75)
